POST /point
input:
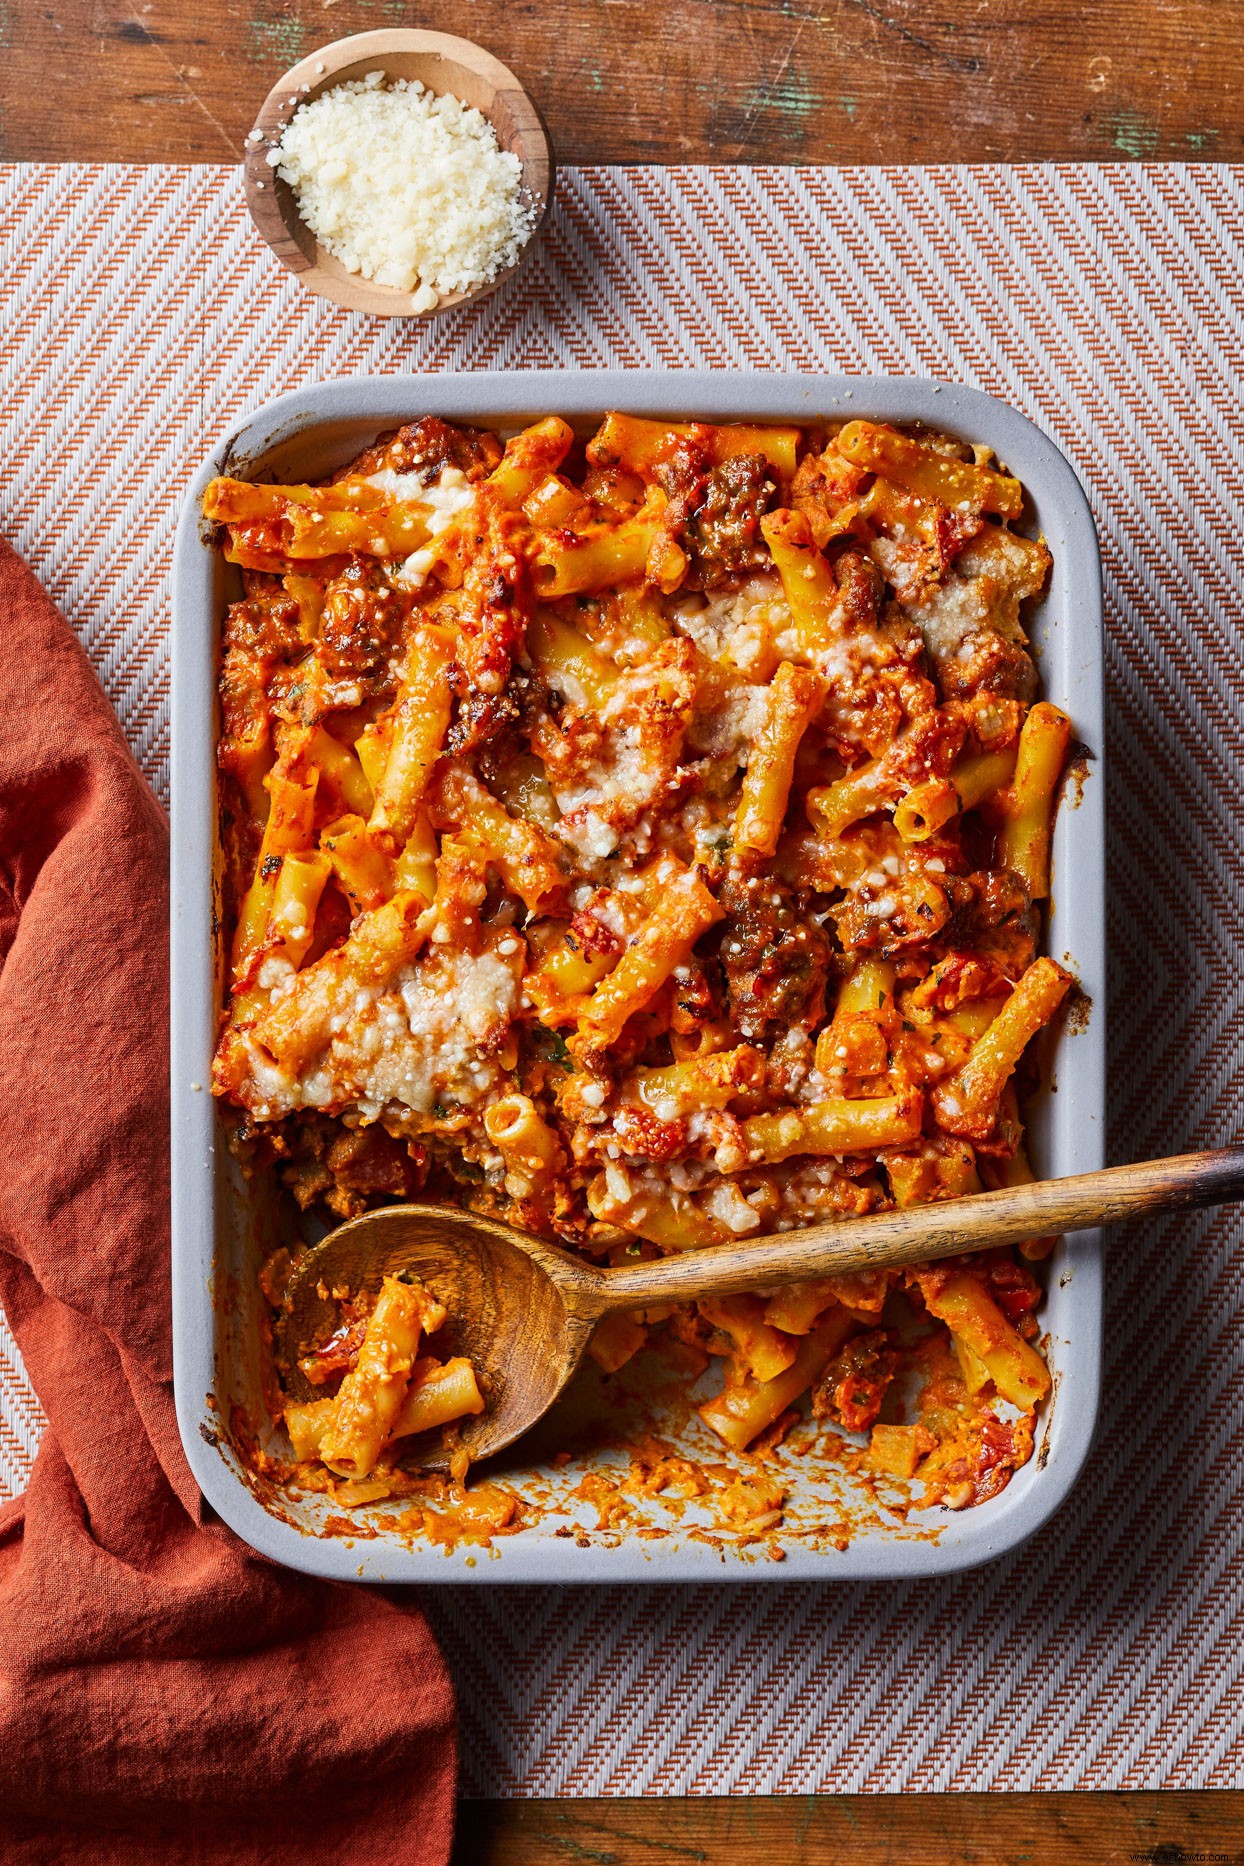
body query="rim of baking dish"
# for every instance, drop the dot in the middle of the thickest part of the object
(968, 1539)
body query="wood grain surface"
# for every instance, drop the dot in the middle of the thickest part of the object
(925, 1233)
(649, 81)
(857, 1830)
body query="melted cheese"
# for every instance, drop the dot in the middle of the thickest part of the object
(429, 1036)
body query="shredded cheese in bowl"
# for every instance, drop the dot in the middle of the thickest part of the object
(409, 189)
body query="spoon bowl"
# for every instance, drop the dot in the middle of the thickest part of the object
(443, 64)
(522, 1310)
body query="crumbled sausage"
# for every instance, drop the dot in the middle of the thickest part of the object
(775, 960)
(360, 628)
(853, 1386)
(426, 447)
(716, 511)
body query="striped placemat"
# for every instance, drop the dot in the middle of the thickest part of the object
(139, 315)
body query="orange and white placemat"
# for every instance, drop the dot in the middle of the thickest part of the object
(139, 315)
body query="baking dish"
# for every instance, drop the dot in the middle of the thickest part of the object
(221, 1225)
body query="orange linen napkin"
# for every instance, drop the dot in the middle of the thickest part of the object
(165, 1694)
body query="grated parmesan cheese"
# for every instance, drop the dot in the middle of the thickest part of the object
(447, 497)
(728, 1206)
(406, 188)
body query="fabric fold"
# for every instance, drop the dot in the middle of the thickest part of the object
(165, 1693)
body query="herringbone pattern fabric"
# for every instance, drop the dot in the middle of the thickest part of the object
(140, 315)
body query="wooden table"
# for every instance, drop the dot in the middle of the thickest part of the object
(856, 1830)
(690, 81)
(839, 81)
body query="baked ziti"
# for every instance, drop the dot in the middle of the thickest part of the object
(644, 841)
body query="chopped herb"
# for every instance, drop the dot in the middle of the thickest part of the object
(552, 1047)
(635, 1248)
(439, 1111)
(907, 1026)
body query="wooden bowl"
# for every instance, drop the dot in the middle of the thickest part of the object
(443, 64)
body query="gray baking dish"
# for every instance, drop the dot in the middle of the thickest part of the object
(220, 1224)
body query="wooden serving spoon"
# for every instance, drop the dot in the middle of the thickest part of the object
(523, 1310)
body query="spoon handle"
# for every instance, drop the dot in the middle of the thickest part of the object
(925, 1232)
